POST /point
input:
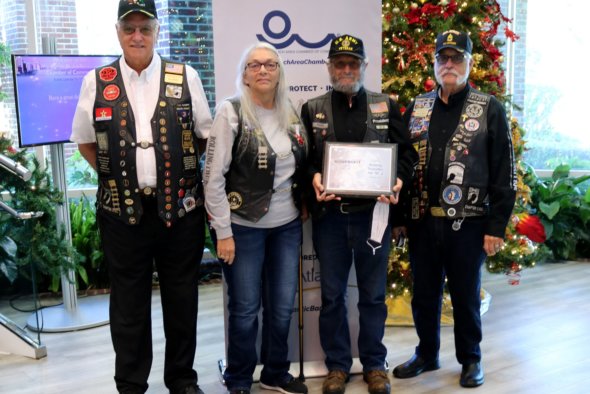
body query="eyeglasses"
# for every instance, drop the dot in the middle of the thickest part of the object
(341, 64)
(455, 59)
(268, 66)
(145, 30)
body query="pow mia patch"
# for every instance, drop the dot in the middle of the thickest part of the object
(474, 110)
(235, 200)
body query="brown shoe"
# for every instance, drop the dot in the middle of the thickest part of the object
(378, 382)
(335, 382)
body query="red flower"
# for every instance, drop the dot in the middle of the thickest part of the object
(299, 139)
(531, 227)
(451, 10)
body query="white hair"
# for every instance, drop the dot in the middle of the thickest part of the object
(282, 104)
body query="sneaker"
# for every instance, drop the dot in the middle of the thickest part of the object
(293, 386)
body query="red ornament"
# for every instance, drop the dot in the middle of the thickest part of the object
(429, 84)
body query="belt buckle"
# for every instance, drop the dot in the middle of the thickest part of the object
(343, 205)
(437, 212)
(147, 191)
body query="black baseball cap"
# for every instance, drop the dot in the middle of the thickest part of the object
(146, 7)
(454, 39)
(347, 45)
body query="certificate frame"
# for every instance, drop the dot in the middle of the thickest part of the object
(359, 169)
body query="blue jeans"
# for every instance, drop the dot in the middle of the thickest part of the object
(266, 267)
(339, 240)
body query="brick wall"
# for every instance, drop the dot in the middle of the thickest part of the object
(186, 35)
(55, 18)
(13, 33)
(518, 25)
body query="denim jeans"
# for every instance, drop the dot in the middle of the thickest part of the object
(435, 250)
(266, 268)
(340, 240)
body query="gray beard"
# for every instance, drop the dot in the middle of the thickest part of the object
(348, 89)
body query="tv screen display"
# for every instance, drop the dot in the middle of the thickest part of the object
(46, 89)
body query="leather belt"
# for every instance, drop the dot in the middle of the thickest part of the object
(437, 212)
(347, 208)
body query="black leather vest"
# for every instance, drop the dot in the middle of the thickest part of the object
(178, 188)
(250, 178)
(465, 173)
(320, 113)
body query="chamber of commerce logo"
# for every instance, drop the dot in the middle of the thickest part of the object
(281, 37)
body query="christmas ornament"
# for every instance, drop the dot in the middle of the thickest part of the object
(429, 84)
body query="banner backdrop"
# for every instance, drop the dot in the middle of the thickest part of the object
(301, 31)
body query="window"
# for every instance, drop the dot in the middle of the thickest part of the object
(556, 82)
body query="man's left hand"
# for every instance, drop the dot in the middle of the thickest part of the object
(492, 245)
(393, 198)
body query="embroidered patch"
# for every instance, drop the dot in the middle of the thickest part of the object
(173, 78)
(472, 125)
(174, 68)
(474, 110)
(174, 91)
(452, 194)
(111, 92)
(102, 114)
(107, 74)
(235, 200)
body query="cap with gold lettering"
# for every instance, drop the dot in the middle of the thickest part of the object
(454, 39)
(146, 7)
(347, 45)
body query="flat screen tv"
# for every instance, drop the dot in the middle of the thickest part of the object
(46, 90)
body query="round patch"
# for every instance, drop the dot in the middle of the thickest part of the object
(451, 212)
(107, 74)
(111, 92)
(452, 194)
(471, 124)
(235, 200)
(474, 110)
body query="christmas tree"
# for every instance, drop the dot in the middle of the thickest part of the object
(409, 33)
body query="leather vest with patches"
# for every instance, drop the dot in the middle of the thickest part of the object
(250, 178)
(320, 113)
(178, 190)
(465, 171)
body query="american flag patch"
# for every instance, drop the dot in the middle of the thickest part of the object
(174, 68)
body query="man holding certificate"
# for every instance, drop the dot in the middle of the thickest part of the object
(356, 138)
(460, 202)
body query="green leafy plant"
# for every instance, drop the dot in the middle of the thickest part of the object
(86, 240)
(79, 171)
(563, 204)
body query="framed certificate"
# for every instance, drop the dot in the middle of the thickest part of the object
(359, 169)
